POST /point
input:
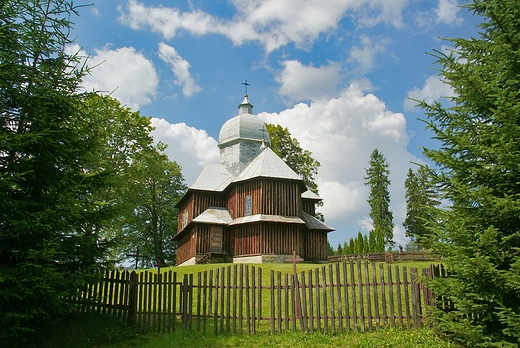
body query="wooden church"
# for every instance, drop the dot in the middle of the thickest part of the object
(251, 207)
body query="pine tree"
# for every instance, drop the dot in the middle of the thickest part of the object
(379, 197)
(479, 233)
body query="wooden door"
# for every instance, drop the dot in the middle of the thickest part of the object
(216, 239)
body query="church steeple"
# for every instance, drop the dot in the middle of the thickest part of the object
(245, 107)
(241, 138)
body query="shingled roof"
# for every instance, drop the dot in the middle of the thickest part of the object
(267, 165)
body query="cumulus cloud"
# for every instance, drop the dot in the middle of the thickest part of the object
(345, 130)
(123, 72)
(447, 11)
(364, 56)
(180, 68)
(273, 23)
(300, 82)
(192, 148)
(433, 90)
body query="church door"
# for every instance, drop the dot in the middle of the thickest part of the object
(216, 239)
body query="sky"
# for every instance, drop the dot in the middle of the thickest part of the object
(339, 74)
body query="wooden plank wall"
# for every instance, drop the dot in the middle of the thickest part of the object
(316, 246)
(309, 206)
(197, 204)
(270, 198)
(186, 248)
(267, 239)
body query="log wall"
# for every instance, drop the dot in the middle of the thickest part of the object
(185, 247)
(196, 205)
(316, 246)
(309, 206)
(268, 239)
(267, 197)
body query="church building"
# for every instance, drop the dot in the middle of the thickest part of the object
(251, 207)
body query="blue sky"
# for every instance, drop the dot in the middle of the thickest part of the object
(336, 73)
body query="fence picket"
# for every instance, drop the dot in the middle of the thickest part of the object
(345, 294)
(338, 296)
(376, 296)
(360, 289)
(331, 297)
(311, 302)
(391, 294)
(324, 296)
(367, 291)
(353, 283)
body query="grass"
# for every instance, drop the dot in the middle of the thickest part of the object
(89, 331)
(281, 267)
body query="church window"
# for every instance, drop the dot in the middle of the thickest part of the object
(249, 208)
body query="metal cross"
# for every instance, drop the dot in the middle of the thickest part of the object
(246, 84)
(263, 131)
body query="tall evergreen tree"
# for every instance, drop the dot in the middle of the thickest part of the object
(479, 233)
(379, 197)
(421, 200)
(45, 253)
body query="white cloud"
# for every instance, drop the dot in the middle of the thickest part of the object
(180, 68)
(124, 73)
(433, 90)
(364, 56)
(167, 21)
(345, 130)
(299, 82)
(447, 11)
(192, 148)
(273, 23)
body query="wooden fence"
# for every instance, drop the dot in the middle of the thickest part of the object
(340, 297)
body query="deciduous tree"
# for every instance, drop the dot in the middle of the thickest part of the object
(156, 186)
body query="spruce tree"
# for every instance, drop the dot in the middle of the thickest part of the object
(421, 200)
(379, 197)
(479, 233)
(46, 254)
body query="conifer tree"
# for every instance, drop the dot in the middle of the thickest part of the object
(421, 200)
(379, 197)
(479, 233)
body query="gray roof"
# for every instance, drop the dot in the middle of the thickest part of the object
(315, 224)
(311, 195)
(267, 218)
(267, 165)
(214, 177)
(214, 215)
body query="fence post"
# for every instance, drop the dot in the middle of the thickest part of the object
(132, 299)
(416, 298)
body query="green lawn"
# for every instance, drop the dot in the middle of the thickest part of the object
(87, 331)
